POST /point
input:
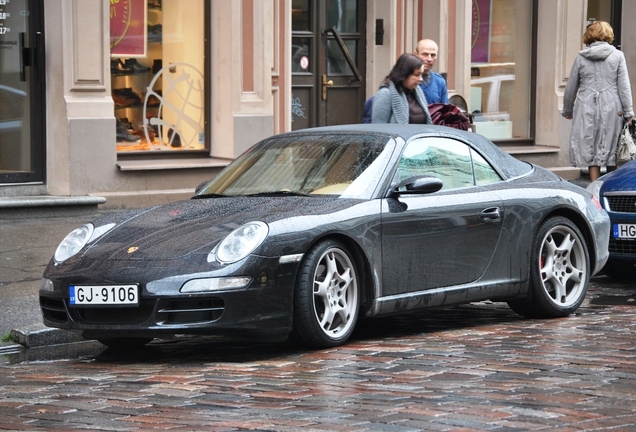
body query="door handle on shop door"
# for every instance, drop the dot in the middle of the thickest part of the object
(325, 84)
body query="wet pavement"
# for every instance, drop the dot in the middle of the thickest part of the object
(28, 239)
(469, 368)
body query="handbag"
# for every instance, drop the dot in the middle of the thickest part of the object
(448, 115)
(626, 149)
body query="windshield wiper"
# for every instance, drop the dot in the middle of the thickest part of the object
(277, 193)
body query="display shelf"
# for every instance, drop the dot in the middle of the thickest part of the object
(131, 79)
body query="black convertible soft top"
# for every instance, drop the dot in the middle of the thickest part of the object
(507, 165)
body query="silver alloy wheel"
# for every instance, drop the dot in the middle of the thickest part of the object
(563, 266)
(335, 293)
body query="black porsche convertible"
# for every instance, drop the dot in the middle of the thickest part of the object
(308, 231)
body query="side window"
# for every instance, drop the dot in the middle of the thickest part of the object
(453, 162)
(443, 158)
(484, 174)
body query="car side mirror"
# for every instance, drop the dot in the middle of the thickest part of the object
(417, 185)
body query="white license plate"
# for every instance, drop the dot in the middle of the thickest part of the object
(125, 295)
(624, 231)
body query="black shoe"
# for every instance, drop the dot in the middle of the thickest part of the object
(126, 123)
(174, 138)
(156, 66)
(123, 135)
(118, 67)
(135, 66)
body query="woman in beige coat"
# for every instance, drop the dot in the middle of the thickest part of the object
(598, 100)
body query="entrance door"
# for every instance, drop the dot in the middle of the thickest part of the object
(610, 11)
(328, 62)
(22, 102)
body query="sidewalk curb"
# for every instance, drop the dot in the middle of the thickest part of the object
(38, 335)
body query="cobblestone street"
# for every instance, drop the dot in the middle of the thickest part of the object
(476, 367)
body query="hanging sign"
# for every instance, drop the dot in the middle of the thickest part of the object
(480, 32)
(128, 28)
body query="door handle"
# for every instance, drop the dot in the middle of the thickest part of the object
(325, 83)
(490, 215)
(345, 52)
(25, 56)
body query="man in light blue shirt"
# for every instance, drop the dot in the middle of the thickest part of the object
(433, 84)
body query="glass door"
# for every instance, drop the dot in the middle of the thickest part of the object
(22, 102)
(328, 62)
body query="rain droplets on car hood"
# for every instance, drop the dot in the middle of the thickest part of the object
(175, 230)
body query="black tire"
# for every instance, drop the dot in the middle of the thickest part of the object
(326, 297)
(123, 343)
(559, 271)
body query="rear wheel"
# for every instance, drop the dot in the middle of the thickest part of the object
(326, 297)
(560, 271)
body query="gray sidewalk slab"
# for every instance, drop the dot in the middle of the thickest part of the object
(28, 239)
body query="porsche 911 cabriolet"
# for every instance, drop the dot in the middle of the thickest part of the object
(309, 231)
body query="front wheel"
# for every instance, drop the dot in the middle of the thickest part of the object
(326, 297)
(560, 271)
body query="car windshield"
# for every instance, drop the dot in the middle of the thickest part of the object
(346, 165)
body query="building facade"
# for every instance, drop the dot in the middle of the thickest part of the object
(139, 101)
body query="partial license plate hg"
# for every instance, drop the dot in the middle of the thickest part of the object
(117, 295)
(624, 231)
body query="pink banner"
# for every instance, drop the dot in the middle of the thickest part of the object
(128, 28)
(481, 31)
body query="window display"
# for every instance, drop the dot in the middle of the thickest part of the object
(501, 68)
(157, 83)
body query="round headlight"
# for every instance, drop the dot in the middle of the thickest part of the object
(241, 242)
(73, 243)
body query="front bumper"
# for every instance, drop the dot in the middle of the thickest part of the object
(621, 208)
(622, 249)
(264, 307)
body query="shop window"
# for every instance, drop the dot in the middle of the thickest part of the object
(157, 74)
(501, 65)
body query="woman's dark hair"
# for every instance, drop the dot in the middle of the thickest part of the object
(405, 65)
